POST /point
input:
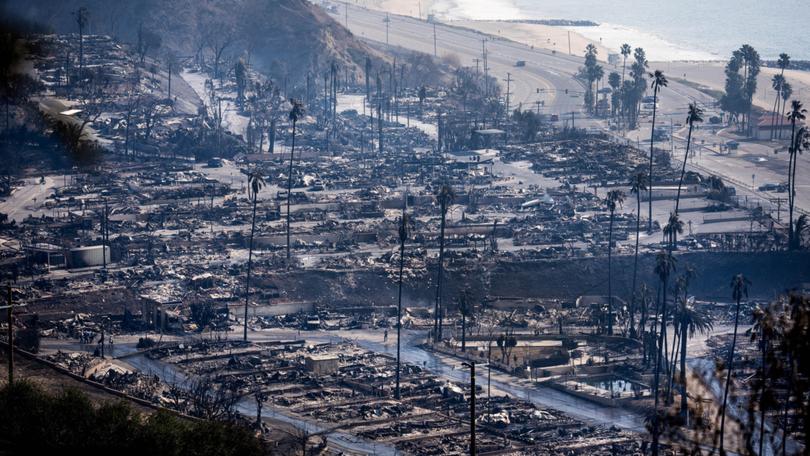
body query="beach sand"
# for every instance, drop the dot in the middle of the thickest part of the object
(706, 73)
(537, 35)
(712, 75)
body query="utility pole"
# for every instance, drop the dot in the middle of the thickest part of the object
(105, 234)
(486, 69)
(10, 339)
(508, 90)
(435, 48)
(476, 60)
(387, 21)
(10, 321)
(778, 202)
(569, 42)
(471, 365)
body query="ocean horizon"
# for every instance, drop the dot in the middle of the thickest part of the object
(714, 29)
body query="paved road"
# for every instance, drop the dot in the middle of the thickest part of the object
(553, 73)
(27, 200)
(550, 72)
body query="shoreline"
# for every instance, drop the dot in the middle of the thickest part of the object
(547, 33)
(706, 72)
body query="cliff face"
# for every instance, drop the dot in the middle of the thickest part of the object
(285, 38)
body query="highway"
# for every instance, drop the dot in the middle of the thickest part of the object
(553, 74)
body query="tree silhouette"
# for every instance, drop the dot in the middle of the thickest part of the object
(739, 290)
(296, 113)
(255, 184)
(658, 81)
(614, 198)
(695, 115)
(637, 186)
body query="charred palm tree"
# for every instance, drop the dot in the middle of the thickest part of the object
(445, 196)
(465, 308)
(614, 198)
(255, 183)
(695, 115)
(665, 266)
(296, 113)
(739, 290)
(681, 294)
(404, 231)
(637, 186)
(690, 322)
(658, 81)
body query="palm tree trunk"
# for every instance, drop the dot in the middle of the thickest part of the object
(635, 264)
(399, 309)
(671, 365)
(463, 332)
(773, 115)
(796, 235)
(763, 349)
(438, 305)
(658, 361)
(652, 135)
(289, 193)
(684, 398)
(610, 281)
(683, 168)
(728, 379)
(250, 265)
(791, 182)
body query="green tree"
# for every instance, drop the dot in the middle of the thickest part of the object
(739, 290)
(695, 115)
(635, 91)
(255, 183)
(615, 83)
(658, 81)
(614, 198)
(296, 113)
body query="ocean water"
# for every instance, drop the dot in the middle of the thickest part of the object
(666, 29)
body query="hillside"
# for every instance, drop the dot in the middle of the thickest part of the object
(284, 38)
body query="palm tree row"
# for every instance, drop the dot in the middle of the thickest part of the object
(778, 83)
